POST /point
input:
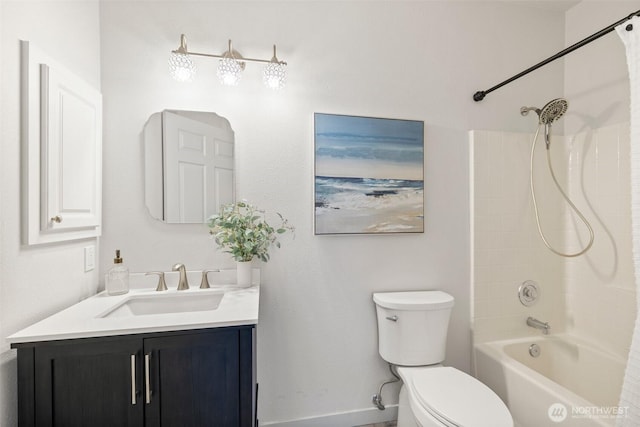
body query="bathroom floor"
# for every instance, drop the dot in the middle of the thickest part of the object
(387, 424)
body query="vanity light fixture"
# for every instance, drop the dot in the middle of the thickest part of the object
(181, 67)
(230, 67)
(275, 72)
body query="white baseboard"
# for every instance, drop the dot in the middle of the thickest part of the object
(341, 419)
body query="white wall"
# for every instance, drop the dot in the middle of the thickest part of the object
(596, 77)
(317, 345)
(37, 281)
(317, 349)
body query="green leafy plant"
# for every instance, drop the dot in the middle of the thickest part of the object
(242, 231)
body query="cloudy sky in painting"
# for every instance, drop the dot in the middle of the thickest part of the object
(365, 147)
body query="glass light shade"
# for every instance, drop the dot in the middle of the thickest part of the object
(229, 71)
(275, 75)
(181, 67)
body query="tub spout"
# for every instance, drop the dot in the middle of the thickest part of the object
(535, 323)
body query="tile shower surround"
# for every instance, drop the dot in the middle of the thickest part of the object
(592, 295)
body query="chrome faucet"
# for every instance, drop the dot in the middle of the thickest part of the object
(183, 283)
(535, 323)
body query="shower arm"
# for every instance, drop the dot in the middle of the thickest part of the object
(479, 95)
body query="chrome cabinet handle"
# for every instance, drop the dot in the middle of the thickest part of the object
(56, 219)
(133, 379)
(393, 318)
(147, 382)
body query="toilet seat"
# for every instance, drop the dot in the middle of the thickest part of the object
(453, 397)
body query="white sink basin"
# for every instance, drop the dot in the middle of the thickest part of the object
(144, 305)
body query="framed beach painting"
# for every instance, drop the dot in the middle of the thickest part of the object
(369, 175)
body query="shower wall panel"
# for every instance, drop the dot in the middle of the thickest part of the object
(600, 289)
(505, 247)
(593, 295)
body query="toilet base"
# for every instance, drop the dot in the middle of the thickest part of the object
(405, 415)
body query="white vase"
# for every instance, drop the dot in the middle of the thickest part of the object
(243, 270)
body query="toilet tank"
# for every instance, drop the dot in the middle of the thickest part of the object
(412, 326)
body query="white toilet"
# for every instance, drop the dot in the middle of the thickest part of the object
(412, 334)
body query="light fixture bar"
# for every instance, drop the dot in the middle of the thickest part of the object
(183, 50)
(230, 68)
(210, 55)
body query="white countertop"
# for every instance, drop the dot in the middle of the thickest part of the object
(239, 306)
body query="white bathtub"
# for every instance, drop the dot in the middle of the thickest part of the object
(570, 384)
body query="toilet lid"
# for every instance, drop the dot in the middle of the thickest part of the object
(458, 399)
(417, 300)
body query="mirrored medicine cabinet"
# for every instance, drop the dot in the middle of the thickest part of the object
(189, 165)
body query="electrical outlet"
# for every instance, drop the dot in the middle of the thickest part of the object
(89, 258)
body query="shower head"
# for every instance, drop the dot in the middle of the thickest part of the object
(551, 112)
(548, 114)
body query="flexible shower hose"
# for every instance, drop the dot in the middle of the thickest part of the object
(566, 198)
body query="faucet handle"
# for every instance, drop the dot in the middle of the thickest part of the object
(205, 279)
(162, 285)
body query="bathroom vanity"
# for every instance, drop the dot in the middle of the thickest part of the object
(100, 364)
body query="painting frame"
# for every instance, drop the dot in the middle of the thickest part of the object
(368, 175)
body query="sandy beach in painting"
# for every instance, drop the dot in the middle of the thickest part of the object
(361, 205)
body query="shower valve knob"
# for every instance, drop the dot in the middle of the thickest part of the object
(528, 293)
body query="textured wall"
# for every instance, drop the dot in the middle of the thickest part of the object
(37, 281)
(317, 348)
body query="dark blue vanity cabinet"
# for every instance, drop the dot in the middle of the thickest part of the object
(203, 377)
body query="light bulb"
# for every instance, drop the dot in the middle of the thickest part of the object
(275, 75)
(229, 71)
(181, 67)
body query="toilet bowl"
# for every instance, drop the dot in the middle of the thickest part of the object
(412, 330)
(444, 396)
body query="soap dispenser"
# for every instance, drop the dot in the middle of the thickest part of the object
(117, 279)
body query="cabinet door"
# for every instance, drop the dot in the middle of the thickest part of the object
(71, 152)
(194, 379)
(89, 383)
(62, 151)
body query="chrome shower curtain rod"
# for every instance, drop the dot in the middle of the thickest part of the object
(479, 96)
